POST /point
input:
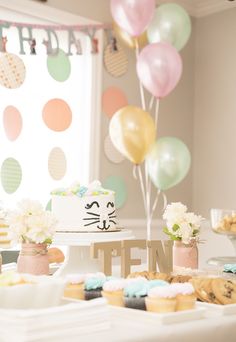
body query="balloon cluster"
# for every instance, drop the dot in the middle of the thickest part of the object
(167, 28)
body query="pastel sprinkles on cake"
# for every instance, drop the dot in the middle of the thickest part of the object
(84, 209)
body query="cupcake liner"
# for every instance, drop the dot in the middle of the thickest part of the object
(160, 304)
(135, 303)
(114, 298)
(92, 294)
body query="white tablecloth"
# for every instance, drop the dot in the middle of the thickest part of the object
(207, 330)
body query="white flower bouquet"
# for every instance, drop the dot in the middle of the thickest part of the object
(181, 225)
(31, 223)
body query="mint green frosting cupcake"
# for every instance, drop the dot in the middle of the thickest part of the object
(94, 283)
(230, 268)
(136, 289)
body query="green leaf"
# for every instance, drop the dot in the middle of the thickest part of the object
(195, 232)
(166, 231)
(48, 241)
(175, 227)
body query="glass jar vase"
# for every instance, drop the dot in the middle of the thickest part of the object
(185, 255)
(33, 259)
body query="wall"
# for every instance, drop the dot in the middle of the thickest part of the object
(175, 117)
(215, 110)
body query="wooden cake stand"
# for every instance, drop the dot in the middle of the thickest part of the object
(78, 257)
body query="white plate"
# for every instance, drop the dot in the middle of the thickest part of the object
(217, 309)
(145, 317)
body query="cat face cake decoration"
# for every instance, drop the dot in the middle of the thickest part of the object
(84, 209)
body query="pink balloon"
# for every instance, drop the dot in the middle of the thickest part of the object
(133, 16)
(159, 68)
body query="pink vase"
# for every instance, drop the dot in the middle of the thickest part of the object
(185, 255)
(33, 259)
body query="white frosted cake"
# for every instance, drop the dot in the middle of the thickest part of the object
(84, 209)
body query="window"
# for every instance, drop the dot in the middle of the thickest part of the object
(49, 132)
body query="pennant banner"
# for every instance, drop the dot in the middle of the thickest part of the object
(26, 33)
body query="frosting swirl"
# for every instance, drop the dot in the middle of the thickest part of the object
(75, 278)
(230, 268)
(114, 285)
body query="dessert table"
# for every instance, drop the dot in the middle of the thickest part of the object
(215, 329)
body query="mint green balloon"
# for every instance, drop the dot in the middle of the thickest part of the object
(168, 162)
(171, 24)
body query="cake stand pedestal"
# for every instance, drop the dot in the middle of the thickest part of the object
(78, 257)
(221, 261)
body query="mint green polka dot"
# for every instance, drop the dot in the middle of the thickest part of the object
(59, 66)
(11, 175)
(117, 184)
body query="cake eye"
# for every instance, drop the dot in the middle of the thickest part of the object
(110, 204)
(89, 206)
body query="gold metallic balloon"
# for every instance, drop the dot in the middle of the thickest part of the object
(129, 41)
(132, 131)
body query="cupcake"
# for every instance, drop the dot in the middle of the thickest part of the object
(161, 299)
(185, 297)
(113, 291)
(135, 292)
(93, 285)
(75, 286)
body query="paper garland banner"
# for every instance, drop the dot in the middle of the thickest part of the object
(111, 152)
(117, 184)
(57, 163)
(59, 66)
(57, 115)
(113, 99)
(12, 71)
(12, 122)
(116, 62)
(11, 175)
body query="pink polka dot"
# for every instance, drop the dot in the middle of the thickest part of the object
(57, 115)
(12, 122)
(113, 99)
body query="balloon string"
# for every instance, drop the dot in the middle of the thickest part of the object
(164, 201)
(151, 103)
(135, 172)
(140, 84)
(155, 202)
(157, 111)
(142, 188)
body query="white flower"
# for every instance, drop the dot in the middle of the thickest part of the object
(31, 223)
(181, 225)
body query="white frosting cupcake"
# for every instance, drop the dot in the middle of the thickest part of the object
(114, 285)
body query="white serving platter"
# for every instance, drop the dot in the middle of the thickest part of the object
(145, 317)
(217, 309)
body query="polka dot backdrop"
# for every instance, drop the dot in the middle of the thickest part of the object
(113, 99)
(59, 66)
(116, 62)
(12, 122)
(57, 163)
(117, 184)
(57, 115)
(12, 71)
(111, 152)
(11, 175)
